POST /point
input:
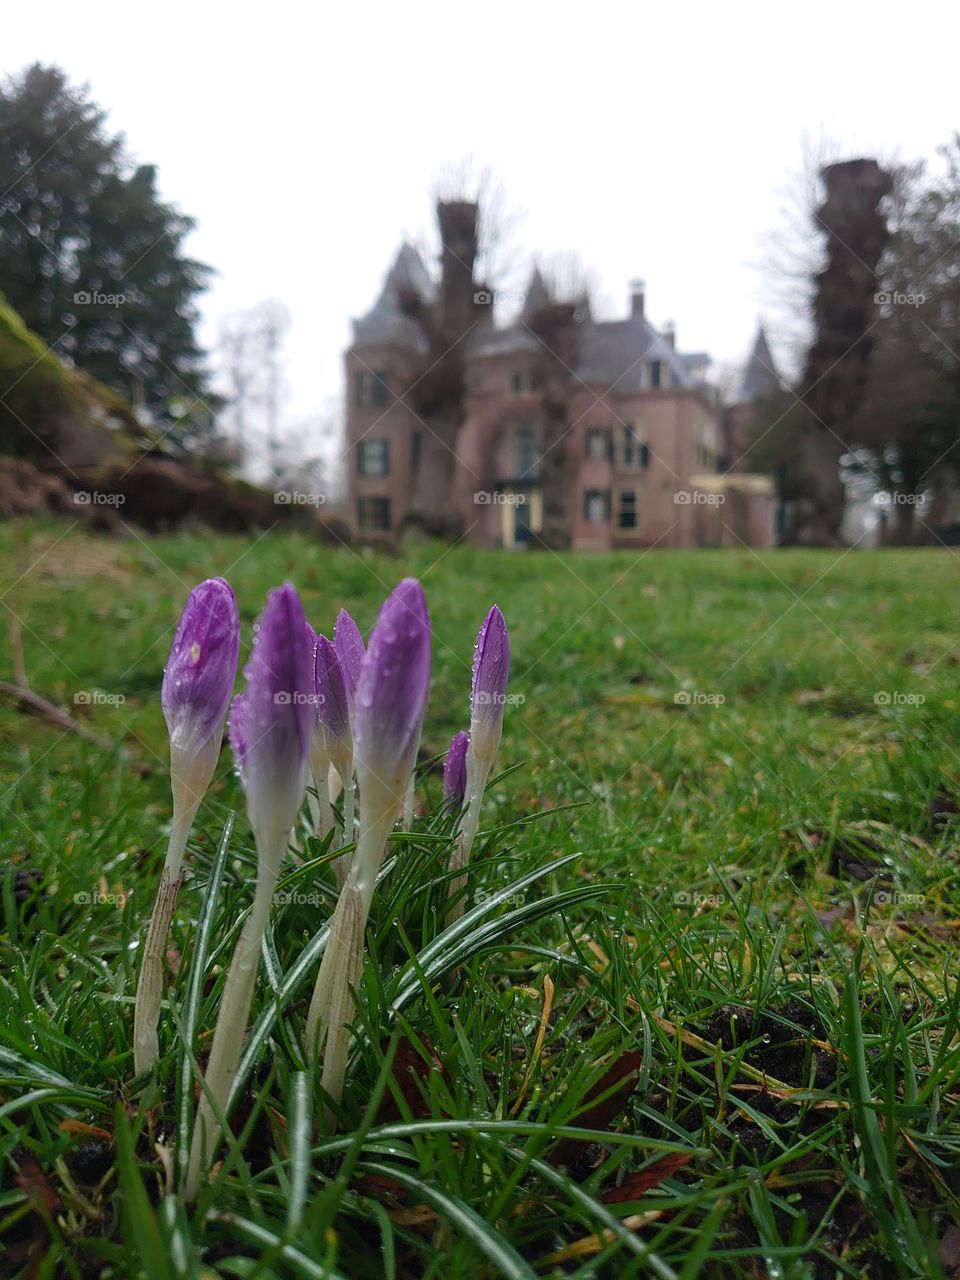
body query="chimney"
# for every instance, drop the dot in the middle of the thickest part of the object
(670, 333)
(636, 297)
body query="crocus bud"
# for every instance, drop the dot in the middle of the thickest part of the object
(270, 731)
(391, 698)
(491, 668)
(350, 648)
(197, 684)
(455, 769)
(333, 712)
(273, 719)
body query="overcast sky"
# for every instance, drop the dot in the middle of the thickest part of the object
(656, 141)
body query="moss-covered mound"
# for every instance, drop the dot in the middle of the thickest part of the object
(69, 444)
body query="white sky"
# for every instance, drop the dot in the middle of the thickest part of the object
(654, 140)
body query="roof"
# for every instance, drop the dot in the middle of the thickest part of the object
(610, 351)
(388, 320)
(760, 377)
(491, 341)
(536, 297)
(614, 352)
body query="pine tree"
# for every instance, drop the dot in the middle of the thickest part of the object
(92, 258)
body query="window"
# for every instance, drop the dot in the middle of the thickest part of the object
(630, 445)
(371, 388)
(373, 513)
(528, 463)
(635, 452)
(373, 458)
(654, 374)
(596, 505)
(524, 381)
(627, 510)
(598, 443)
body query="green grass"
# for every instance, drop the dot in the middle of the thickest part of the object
(742, 979)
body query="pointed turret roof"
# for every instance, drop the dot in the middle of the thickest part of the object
(760, 377)
(389, 319)
(536, 297)
(407, 275)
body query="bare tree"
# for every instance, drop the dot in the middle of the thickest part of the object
(910, 415)
(497, 260)
(828, 275)
(568, 281)
(275, 319)
(238, 348)
(250, 351)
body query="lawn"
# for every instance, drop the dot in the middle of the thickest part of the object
(702, 1018)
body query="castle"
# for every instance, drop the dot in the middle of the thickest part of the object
(557, 429)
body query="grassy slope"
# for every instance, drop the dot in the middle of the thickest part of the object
(40, 394)
(728, 833)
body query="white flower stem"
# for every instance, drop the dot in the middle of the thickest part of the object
(233, 1017)
(321, 811)
(333, 1001)
(146, 1013)
(460, 858)
(408, 802)
(341, 867)
(349, 810)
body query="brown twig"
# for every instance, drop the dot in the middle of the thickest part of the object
(61, 717)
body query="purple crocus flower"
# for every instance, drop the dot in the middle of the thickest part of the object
(197, 683)
(270, 730)
(491, 669)
(200, 671)
(455, 768)
(273, 719)
(390, 703)
(333, 709)
(392, 695)
(350, 648)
